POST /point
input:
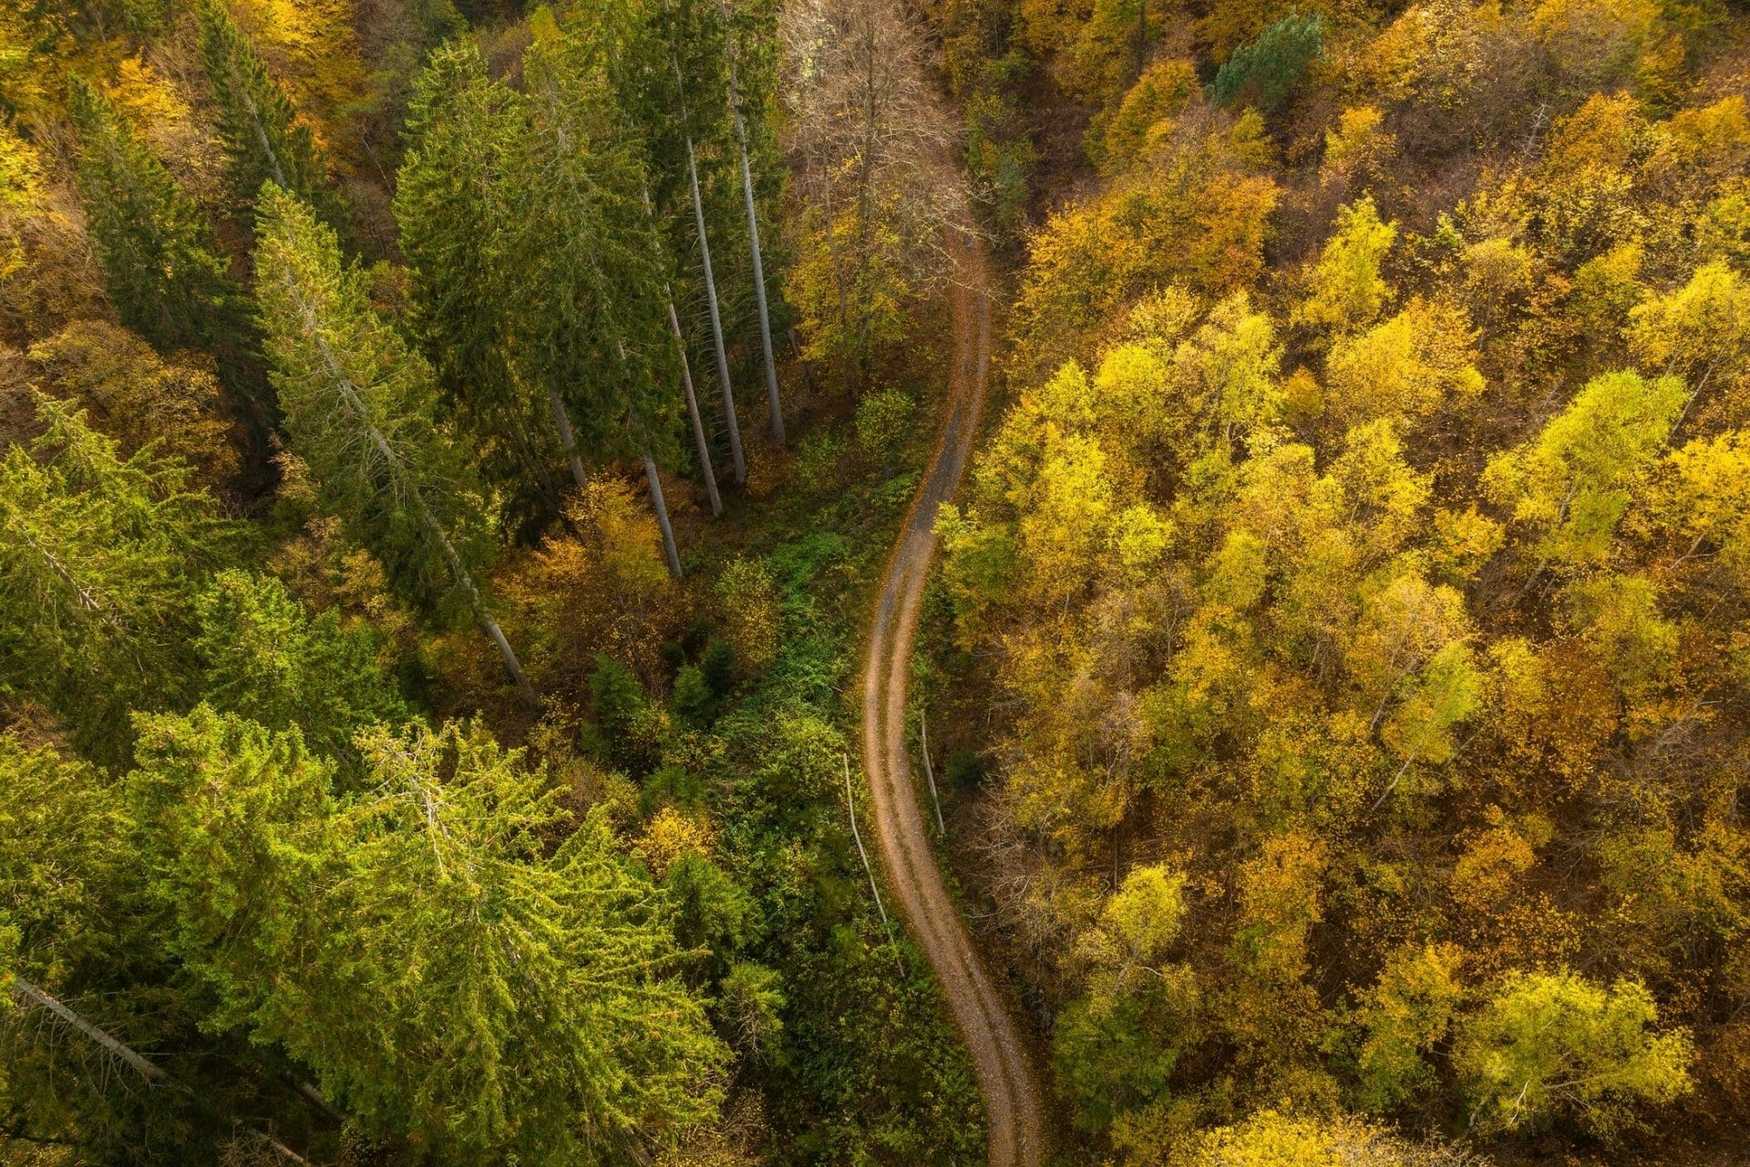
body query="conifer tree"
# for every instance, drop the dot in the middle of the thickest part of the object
(263, 141)
(592, 263)
(452, 206)
(359, 408)
(99, 558)
(164, 273)
(447, 976)
(669, 71)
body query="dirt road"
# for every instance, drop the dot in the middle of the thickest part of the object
(1005, 1072)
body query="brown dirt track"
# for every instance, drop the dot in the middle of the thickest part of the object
(1000, 1055)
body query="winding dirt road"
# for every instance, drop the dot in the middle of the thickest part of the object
(1000, 1056)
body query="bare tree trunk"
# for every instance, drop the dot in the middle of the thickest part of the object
(857, 834)
(669, 550)
(929, 770)
(700, 445)
(29, 995)
(567, 437)
(774, 405)
(512, 665)
(735, 452)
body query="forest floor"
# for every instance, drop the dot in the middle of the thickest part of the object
(987, 1021)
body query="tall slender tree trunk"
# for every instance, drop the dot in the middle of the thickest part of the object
(773, 403)
(669, 550)
(568, 438)
(279, 174)
(28, 996)
(700, 445)
(465, 578)
(735, 452)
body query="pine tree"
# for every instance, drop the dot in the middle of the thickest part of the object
(668, 66)
(452, 206)
(165, 275)
(447, 976)
(264, 655)
(99, 558)
(263, 141)
(592, 262)
(359, 408)
(82, 966)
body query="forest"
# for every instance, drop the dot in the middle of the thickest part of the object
(701, 583)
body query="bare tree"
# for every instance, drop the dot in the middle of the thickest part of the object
(869, 153)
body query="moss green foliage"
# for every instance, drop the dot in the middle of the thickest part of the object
(265, 657)
(100, 560)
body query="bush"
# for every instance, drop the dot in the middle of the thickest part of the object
(818, 460)
(750, 613)
(883, 420)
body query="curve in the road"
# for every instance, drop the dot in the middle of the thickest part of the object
(1000, 1056)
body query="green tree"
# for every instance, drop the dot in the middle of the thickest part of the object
(264, 656)
(1345, 288)
(669, 68)
(751, 38)
(1109, 1055)
(1555, 1045)
(1406, 1013)
(594, 262)
(751, 1002)
(99, 560)
(1264, 71)
(164, 272)
(80, 947)
(1572, 483)
(450, 978)
(453, 204)
(359, 408)
(262, 138)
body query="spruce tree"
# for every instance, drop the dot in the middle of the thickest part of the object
(262, 139)
(668, 65)
(164, 273)
(592, 263)
(359, 407)
(449, 978)
(452, 205)
(99, 560)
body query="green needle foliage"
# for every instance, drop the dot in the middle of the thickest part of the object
(100, 557)
(453, 206)
(262, 139)
(264, 655)
(448, 976)
(592, 261)
(1265, 71)
(164, 273)
(360, 408)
